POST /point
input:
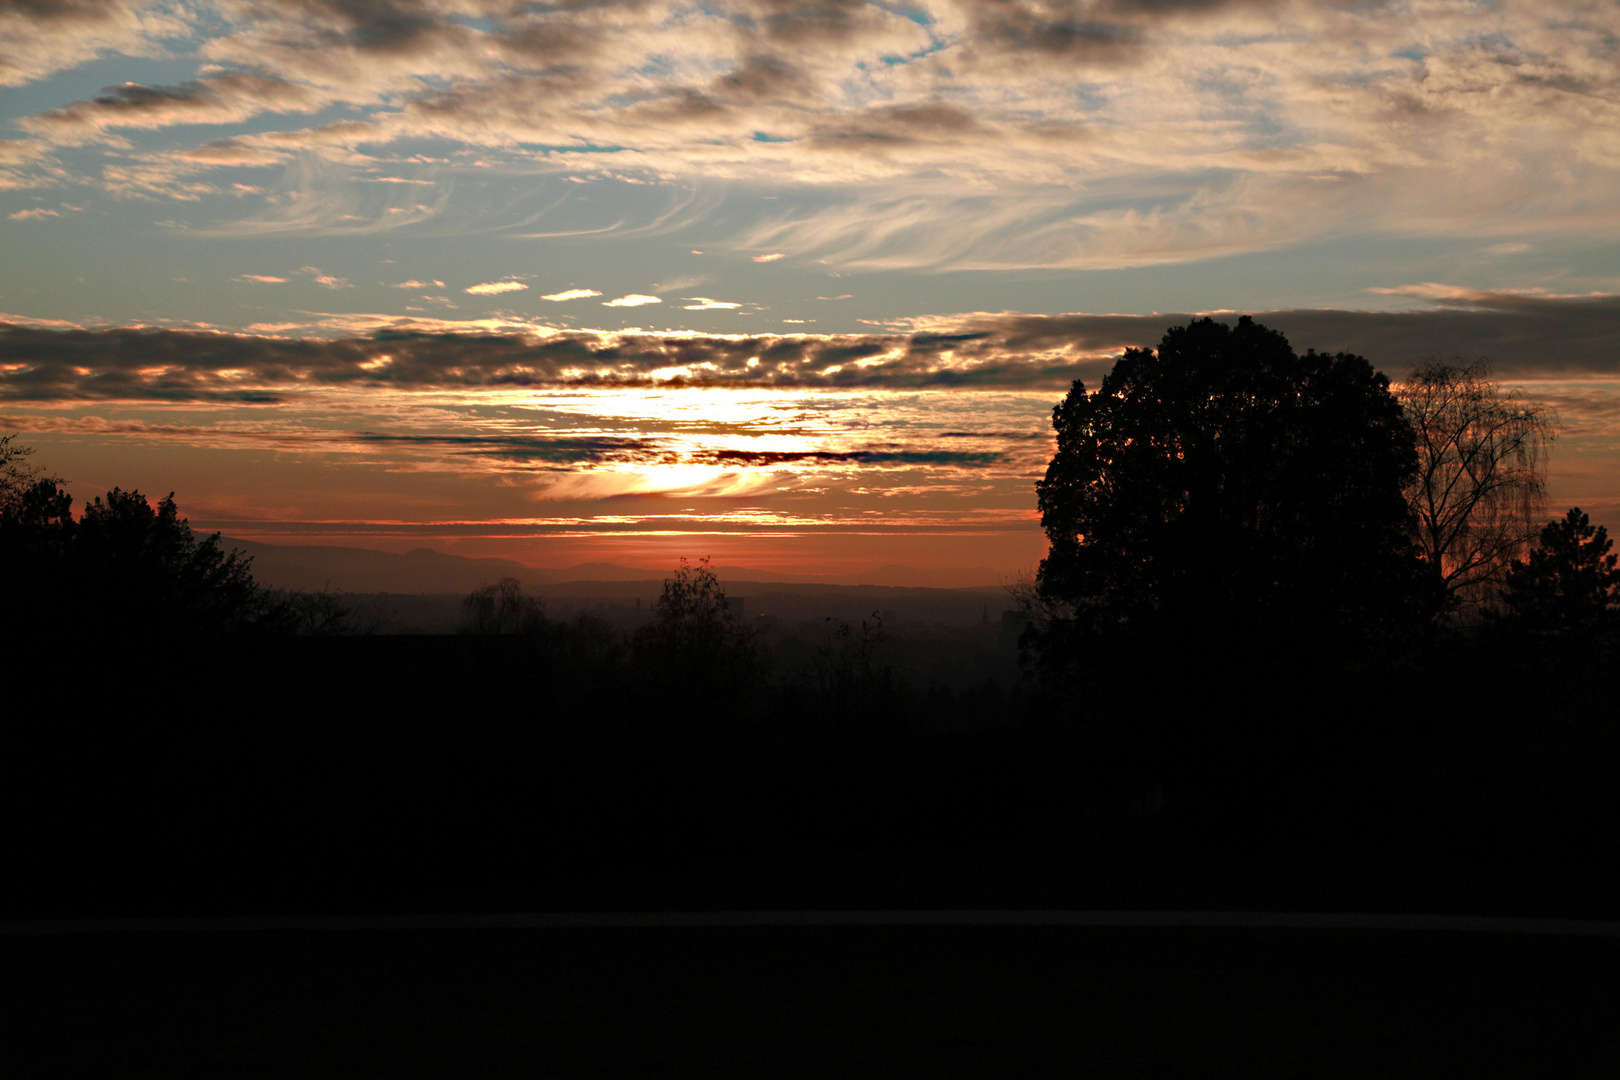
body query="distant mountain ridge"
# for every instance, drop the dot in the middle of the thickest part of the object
(423, 570)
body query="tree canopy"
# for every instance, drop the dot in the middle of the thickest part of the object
(1225, 481)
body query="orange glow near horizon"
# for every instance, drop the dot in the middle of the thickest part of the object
(841, 480)
(804, 481)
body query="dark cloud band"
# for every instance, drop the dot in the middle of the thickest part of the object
(1525, 336)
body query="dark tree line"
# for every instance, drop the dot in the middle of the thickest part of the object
(122, 568)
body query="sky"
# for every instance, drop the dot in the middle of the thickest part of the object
(795, 285)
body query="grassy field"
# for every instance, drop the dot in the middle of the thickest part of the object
(811, 1002)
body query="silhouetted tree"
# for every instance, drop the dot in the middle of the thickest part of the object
(1225, 487)
(1569, 582)
(1480, 484)
(695, 641)
(503, 609)
(124, 567)
(145, 570)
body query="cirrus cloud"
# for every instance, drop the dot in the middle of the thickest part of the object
(948, 134)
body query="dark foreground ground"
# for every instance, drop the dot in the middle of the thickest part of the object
(358, 776)
(810, 1001)
(305, 779)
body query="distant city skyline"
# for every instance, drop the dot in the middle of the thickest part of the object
(777, 283)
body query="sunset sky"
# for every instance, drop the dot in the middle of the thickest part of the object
(792, 284)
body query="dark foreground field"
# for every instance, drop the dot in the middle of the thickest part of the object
(281, 784)
(812, 1001)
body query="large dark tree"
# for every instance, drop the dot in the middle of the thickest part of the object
(1224, 488)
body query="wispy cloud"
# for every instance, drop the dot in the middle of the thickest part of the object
(413, 284)
(948, 133)
(571, 294)
(684, 281)
(262, 279)
(325, 280)
(632, 300)
(703, 303)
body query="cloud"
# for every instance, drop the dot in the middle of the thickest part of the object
(571, 294)
(556, 450)
(228, 153)
(36, 212)
(632, 300)
(1525, 336)
(216, 99)
(949, 133)
(413, 284)
(41, 37)
(684, 281)
(263, 279)
(769, 258)
(493, 288)
(705, 304)
(763, 458)
(325, 280)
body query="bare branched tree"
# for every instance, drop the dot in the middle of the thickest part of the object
(1481, 485)
(16, 471)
